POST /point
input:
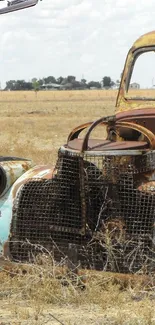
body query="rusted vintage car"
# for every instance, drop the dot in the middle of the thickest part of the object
(96, 207)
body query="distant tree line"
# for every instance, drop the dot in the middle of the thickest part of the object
(66, 83)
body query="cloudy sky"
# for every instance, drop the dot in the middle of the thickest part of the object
(85, 38)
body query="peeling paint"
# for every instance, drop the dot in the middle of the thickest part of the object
(12, 170)
(7, 200)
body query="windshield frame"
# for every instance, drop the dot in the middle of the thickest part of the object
(131, 66)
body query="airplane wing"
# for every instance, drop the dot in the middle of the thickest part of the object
(17, 5)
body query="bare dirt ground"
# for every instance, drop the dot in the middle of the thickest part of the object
(34, 126)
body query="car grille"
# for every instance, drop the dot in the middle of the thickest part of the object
(93, 213)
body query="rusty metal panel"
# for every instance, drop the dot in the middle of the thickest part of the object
(144, 117)
(106, 145)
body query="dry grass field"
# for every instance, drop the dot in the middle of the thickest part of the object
(34, 126)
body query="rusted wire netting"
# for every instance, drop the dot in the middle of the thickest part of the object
(93, 212)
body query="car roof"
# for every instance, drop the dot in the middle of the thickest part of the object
(147, 39)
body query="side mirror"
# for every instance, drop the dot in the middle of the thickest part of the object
(15, 5)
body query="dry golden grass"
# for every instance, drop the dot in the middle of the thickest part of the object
(46, 295)
(35, 126)
(148, 93)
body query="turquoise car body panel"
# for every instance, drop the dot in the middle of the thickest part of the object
(5, 218)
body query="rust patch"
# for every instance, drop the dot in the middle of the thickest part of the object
(106, 145)
(147, 187)
(6, 250)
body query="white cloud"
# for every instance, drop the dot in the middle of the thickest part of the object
(61, 37)
(87, 59)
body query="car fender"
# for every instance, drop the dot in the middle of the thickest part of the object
(7, 202)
